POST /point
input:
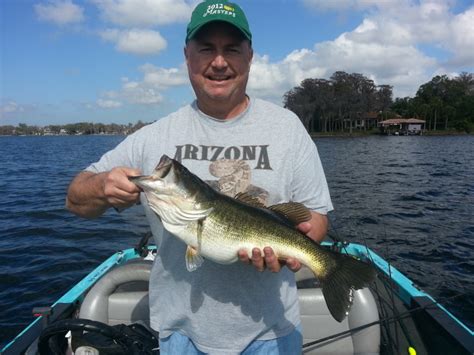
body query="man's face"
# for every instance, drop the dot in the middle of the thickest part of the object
(218, 60)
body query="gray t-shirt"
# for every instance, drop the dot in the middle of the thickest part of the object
(266, 152)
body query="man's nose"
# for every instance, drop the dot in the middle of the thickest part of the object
(219, 61)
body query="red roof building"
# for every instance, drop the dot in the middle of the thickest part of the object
(402, 126)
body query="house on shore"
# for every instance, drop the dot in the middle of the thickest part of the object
(363, 121)
(402, 126)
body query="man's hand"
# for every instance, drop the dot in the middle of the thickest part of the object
(268, 260)
(90, 195)
(315, 229)
(119, 191)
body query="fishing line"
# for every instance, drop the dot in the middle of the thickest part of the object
(388, 319)
(392, 306)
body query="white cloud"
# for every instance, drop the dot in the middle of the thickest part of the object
(11, 106)
(11, 109)
(136, 41)
(164, 77)
(60, 12)
(141, 94)
(405, 22)
(345, 5)
(387, 63)
(265, 76)
(144, 13)
(371, 31)
(272, 80)
(149, 90)
(108, 103)
(462, 38)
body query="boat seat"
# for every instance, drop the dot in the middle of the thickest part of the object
(317, 322)
(121, 297)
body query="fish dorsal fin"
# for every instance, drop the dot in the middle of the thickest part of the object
(295, 212)
(249, 200)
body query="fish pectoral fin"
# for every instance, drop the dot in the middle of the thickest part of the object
(193, 259)
(295, 212)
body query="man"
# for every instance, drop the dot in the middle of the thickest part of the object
(237, 144)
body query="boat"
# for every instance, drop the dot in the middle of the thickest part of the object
(391, 316)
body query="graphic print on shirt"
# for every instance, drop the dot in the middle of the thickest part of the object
(232, 166)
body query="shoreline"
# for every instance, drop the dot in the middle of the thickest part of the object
(373, 134)
(355, 134)
(62, 135)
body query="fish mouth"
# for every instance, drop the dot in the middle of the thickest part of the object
(161, 171)
(164, 167)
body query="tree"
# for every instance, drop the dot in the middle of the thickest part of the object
(384, 99)
(327, 105)
(444, 103)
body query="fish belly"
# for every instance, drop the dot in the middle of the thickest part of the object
(206, 242)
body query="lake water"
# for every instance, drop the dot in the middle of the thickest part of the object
(411, 199)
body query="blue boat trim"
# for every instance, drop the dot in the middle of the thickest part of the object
(77, 291)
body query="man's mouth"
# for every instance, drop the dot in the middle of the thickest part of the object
(219, 77)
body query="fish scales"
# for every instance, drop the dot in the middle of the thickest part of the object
(248, 228)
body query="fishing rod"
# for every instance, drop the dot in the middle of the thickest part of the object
(383, 320)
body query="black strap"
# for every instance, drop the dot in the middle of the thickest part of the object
(142, 246)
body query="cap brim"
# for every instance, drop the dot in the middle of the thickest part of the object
(195, 30)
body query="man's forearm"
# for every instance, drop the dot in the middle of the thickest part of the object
(85, 196)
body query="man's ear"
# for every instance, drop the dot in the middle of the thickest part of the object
(185, 52)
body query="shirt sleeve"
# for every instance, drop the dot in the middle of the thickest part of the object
(125, 154)
(309, 185)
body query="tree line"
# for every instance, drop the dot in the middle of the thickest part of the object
(80, 128)
(342, 103)
(442, 102)
(352, 101)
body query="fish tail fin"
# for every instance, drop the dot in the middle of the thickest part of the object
(339, 282)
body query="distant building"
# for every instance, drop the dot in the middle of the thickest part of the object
(402, 126)
(363, 121)
(48, 132)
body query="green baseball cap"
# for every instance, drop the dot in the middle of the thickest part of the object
(217, 10)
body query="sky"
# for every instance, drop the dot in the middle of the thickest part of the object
(120, 61)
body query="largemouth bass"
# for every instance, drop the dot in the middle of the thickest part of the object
(216, 227)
